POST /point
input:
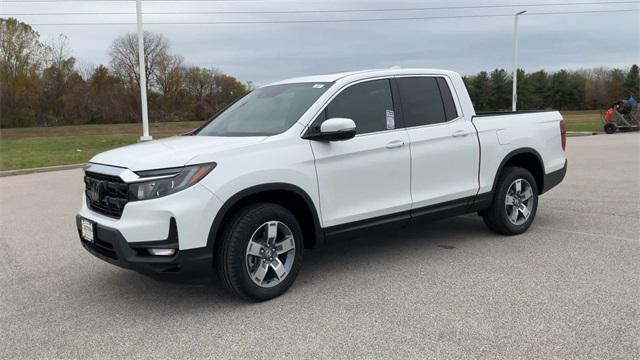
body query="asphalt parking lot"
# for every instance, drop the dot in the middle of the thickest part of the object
(568, 288)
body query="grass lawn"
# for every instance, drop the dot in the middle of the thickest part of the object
(37, 147)
(589, 120)
(156, 129)
(62, 145)
(32, 152)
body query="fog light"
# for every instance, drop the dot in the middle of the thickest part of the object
(162, 252)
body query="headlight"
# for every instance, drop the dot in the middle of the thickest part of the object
(165, 182)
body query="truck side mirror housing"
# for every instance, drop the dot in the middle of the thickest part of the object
(334, 129)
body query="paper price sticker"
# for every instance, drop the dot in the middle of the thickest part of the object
(391, 120)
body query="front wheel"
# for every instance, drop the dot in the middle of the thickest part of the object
(261, 252)
(515, 202)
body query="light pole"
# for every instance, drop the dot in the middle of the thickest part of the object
(143, 76)
(514, 101)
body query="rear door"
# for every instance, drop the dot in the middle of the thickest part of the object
(444, 147)
(367, 176)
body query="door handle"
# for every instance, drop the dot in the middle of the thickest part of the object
(395, 144)
(460, 133)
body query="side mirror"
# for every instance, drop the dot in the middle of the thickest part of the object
(334, 129)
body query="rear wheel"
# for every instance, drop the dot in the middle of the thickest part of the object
(610, 128)
(515, 202)
(261, 252)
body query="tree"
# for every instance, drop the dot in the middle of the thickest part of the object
(21, 58)
(596, 95)
(110, 101)
(614, 86)
(124, 57)
(199, 83)
(632, 82)
(534, 91)
(525, 93)
(55, 84)
(74, 100)
(210, 91)
(169, 75)
(567, 90)
(172, 102)
(21, 51)
(479, 90)
(200, 86)
(41, 84)
(500, 90)
(227, 90)
(59, 51)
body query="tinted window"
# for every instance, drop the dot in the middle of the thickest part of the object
(449, 106)
(421, 101)
(368, 104)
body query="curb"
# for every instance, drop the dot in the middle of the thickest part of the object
(581, 133)
(40, 170)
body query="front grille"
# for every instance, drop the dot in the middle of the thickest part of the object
(106, 194)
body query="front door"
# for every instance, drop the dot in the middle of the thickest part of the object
(368, 176)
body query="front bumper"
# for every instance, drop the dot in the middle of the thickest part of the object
(190, 266)
(142, 221)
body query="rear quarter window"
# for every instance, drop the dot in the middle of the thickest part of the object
(450, 110)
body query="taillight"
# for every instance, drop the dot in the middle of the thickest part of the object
(563, 134)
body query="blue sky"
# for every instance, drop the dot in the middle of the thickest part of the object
(266, 52)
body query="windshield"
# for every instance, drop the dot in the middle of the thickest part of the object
(266, 111)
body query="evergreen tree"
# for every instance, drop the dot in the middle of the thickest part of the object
(501, 88)
(525, 93)
(479, 89)
(538, 90)
(632, 82)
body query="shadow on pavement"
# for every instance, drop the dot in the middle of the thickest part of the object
(343, 258)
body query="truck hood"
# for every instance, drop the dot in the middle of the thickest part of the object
(171, 152)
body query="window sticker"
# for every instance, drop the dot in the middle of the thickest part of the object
(391, 120)
(318, 86)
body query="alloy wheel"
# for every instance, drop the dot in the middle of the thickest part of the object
(519, 201)
(270, 254)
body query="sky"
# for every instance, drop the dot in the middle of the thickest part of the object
(261, 53)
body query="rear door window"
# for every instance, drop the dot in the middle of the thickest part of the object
(368, 104)
(425, 101)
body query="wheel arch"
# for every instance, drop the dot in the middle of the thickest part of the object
(287, 195)
(527, 158)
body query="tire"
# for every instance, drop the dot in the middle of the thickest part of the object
(260, 272)
(609, 128)
(500, 216)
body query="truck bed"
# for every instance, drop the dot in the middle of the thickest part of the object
(501, 133)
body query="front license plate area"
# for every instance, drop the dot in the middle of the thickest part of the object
(87, 230)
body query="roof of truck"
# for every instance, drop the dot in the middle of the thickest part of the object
(359, 74)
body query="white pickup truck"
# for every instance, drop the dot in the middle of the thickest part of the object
(298, 162)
